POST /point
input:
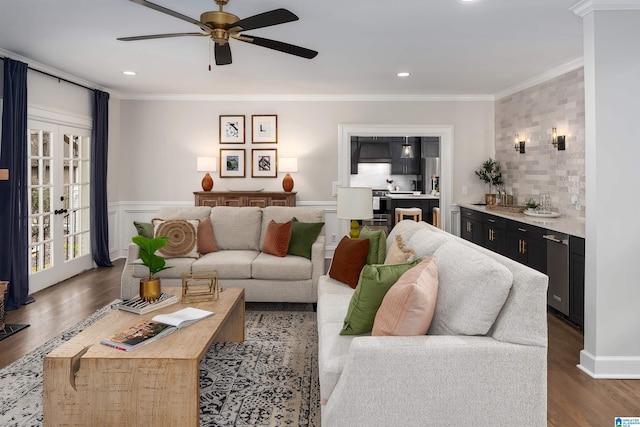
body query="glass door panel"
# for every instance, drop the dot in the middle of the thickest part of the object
(59, 177)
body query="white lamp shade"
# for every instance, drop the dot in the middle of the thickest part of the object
(207, 164)
(288, 164)
(355, 203)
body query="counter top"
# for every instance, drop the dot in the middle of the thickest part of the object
(572, 226)
(411, 197)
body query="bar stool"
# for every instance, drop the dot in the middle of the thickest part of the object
(436, 217)
(415, 213)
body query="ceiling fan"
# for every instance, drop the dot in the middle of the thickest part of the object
(220, 26)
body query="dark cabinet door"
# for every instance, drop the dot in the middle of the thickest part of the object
(527, 249)
(355, 148)
(494, 238)
(407, 166)
(576, 280)
(471, 225)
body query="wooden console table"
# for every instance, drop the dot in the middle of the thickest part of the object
(260, 199)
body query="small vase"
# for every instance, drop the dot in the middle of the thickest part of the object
(150, 289)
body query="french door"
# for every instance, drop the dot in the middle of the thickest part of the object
(59, 213)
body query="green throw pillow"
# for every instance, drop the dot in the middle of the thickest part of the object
(377, 244)
(375, 281)
(303, 234)
(144, 229)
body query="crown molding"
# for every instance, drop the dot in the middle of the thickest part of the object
(308, 98)
(541, 78)
(54, 71)
(585, 7)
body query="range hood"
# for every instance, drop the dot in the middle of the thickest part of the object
(374, 152)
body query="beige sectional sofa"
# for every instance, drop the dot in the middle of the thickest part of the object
(499, 378)
(239, 234)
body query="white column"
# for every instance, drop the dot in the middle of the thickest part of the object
(612, 105)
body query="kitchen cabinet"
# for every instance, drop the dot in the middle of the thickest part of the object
(471, 225)
(494, 234)
(355, 154)
(526, 245)
(259, 199)
(576, 280)
(409, 166)
(430, 146)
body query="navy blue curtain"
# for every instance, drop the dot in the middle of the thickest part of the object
(14, 209)
(99, 154)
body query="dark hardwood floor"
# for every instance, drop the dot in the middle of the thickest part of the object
(574, 398)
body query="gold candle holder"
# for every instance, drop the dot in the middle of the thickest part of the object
(199, 286)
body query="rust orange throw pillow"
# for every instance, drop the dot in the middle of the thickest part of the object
(348, 260)
(276, 239)
(206, 241)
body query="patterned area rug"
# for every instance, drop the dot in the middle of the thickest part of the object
(271, 379)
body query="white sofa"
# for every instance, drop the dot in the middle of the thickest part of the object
(436, 380)
(239, 234)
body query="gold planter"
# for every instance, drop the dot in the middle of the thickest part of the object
(490, 199)
(150, 289)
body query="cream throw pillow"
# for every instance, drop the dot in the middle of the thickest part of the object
(399, 253)
(407, 308)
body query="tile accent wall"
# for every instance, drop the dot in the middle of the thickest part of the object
(542, 169)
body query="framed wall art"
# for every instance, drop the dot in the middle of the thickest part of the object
(264, 129)
(232, 163)
(232, 129)
(264, 163)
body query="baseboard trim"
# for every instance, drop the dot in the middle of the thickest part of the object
(609, 367)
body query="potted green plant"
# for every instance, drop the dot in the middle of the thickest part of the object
(150, 286)
(490, 173)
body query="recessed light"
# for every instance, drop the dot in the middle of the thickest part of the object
(129, 73)
(403, 74)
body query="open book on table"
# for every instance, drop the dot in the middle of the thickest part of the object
(147, 331)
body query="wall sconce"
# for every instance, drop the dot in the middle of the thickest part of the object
(288, 164)
(558, 141)
(519, 146)
(206, 164)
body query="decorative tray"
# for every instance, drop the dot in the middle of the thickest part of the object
(541, 215)
(246, 190)
(506, 208)
(138, 306)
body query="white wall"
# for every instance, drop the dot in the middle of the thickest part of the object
(171, 134)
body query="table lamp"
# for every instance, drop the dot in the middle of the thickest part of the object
(207, 164)
(355, 203)
(287, 164)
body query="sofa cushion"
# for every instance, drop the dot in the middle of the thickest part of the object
(206, 239)
(377, 244)
(276, 239)
(230, 264)
(407, 309)
(237, 228)
(144, 229)
(178, 266)
(333, 350)
(287, 213)
(472, 290)
(184, 212)
(398, 252)
(425, 242)
(348, 259)
(375, 281)
(303, 234)
(182, 234)
(271, 267)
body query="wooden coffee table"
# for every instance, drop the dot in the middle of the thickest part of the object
(90, 384)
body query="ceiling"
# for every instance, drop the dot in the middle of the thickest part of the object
(450, 47)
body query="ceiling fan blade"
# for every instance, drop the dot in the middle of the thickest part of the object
(280, 46)
(266, 19)
(170, 12)
(223, 54)
(158, 36)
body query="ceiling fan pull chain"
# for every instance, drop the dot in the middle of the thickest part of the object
(209, 49)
